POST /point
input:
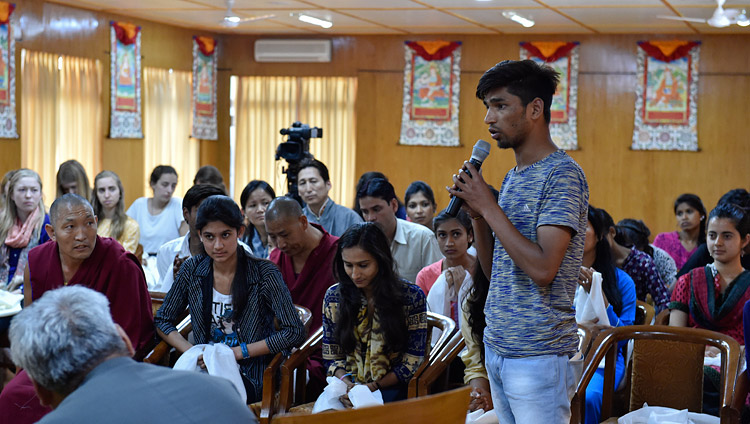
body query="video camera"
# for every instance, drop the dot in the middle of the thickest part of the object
(295, 149)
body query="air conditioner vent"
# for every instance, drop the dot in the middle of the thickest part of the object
(293, 50)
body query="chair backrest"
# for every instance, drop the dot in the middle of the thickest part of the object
(586, 335)
(662, 318)
(157, 299)
(659, 362)
(741, 389)
(442, 323)
(434, 379)
(644, 313)
(444, 408)
(160, 354)
(305, 315)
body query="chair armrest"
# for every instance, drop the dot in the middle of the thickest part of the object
(269, 389)
(296, 362)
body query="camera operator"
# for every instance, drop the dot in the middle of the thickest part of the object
(314, 183)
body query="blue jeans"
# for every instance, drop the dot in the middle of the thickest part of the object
(536, 389)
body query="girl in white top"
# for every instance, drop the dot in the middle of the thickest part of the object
(159, 217)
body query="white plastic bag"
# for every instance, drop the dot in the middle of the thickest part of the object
(481, 417)
(360, 396)
(591, 305)
(663, 415)
(219, 360)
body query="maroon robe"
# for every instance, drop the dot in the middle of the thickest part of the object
(308, 288)
(110, 270)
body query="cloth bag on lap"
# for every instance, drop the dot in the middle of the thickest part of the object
(219, 360)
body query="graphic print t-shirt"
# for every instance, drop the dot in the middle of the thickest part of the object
(222, 327)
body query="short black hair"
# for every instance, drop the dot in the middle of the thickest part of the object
(523, 78)
(735, 213)
(420, 187)
(377, 187)
(161, 170)
(219, 208)
(197, 193)
(251, 187)
(70, 200)
(314, 163)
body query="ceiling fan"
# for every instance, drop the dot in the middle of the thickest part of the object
(231, 20)
(721, 17)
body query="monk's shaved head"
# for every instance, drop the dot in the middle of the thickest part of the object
(65, 202)
(282, 208)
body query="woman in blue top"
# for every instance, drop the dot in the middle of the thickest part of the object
(619, 292)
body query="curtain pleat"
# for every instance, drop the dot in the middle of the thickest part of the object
(166, 124)
(264, 105)
(60, 115)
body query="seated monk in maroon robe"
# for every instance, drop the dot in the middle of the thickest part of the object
(76, 255)
(304, 254)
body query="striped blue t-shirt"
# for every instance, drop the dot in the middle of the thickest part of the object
(524, 319)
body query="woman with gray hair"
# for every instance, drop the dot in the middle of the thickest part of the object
(79, 361)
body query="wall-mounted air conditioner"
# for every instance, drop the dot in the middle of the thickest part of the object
(293, 50)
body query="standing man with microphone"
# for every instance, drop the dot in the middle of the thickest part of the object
(539, 225)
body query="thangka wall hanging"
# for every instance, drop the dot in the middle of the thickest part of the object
(204, 88)
(8, 128)
(431, 88)
(666, 107)
(563, 58)
(125, 81)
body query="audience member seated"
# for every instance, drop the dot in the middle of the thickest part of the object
(375, 324)
(314, 184)
(702, 256)
(77, 256)
(633, 232)
(108, 201)
(454, 236)
(472, 323)
(233, 298)
(173, 253)
(72, 178)
(690, 214)
(4, 187)
(364, 179)
(304, 254)
(159, 217)
(80, 365)
(209, 174)
(21, 227)
(413, 246)
(255, 198)
(619, 297)
(641, 268)
(713, 297)
(420, 203)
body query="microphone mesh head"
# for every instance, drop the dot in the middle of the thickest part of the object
(481, 150)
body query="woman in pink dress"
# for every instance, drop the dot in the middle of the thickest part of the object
(691, 216)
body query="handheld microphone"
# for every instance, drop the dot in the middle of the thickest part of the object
(478, 154)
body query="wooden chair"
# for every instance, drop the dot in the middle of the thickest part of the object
(447, 327)
(741, 389)
(644, 313)
(279, 375)
(139, 252)
(159, 355)
(586, 335)
(662, 318)
(673, 353)
(434, 379)
(444, 408)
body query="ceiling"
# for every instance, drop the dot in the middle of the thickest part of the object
(429, 16)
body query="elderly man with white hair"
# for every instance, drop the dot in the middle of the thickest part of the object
(80, 363)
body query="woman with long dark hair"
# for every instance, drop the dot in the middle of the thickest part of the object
(420, 203)
(374, 323)
(691, 216)
(619, 292)
(233, 298)
(254, 200)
